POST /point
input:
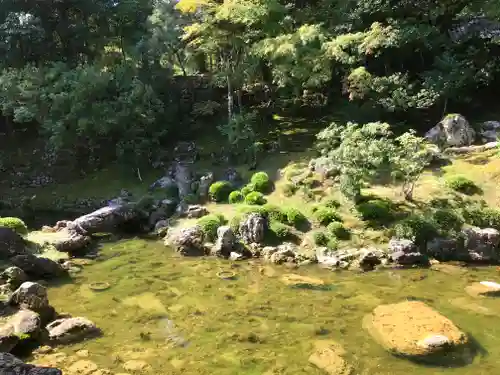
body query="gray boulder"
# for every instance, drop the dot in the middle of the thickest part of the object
(405, 253)
(226, 241)
(187, 241)
(482, 244)
(204, 186)
(11, 243)
(253, 228)
(14, 276)
(38, 267)
(453, 130)
(25, 324)
(70, 330)
(10, 365)
(490, 131)
(33, 296)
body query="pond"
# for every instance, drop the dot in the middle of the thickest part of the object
(178, 316)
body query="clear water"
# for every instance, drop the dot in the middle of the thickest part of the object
(179, 317)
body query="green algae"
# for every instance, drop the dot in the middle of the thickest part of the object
(178, 316)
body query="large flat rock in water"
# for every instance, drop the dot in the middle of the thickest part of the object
(413, 329)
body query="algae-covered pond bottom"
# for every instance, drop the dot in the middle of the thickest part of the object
(179, 317)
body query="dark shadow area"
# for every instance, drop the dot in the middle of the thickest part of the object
(450, 357)
(379, 212)
(307, 286)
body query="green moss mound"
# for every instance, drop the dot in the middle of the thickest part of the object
(236, 197)
(255, 198)
(219, 191)
(15, 224)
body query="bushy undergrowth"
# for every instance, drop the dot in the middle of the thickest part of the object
(209, 225)
(219, 191)
(14, 223)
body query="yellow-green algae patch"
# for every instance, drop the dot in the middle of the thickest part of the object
(189, 321)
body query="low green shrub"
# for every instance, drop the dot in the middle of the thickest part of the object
(236, 197)
(294, 217)
(325, 215)
(274, 212)
(462, 184)
(447, 220)
(280, 230)
(14, 223)
(320, 238)
(234, 223)
(311, 182)
(219, 191)
(339, 231)
(209, 225)
(332, 203)
(261, 182)
(256, 198)
(417, 228)
(375, 210)
(482, 217)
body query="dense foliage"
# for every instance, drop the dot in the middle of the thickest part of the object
(100, 78)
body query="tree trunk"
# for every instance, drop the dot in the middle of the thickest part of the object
(230, 99)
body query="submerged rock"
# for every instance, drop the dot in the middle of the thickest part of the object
(187, 241)
(253, 228)
(10, 365)
(69, 330)
(413, 329)
(329, 357)
(11, 243)
(62, 240)
(195, 211)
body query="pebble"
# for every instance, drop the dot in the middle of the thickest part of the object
(82, 367)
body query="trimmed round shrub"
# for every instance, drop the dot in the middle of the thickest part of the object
(261, 182)
(339, 231)
(209, 225)
(462, 184)
(320, 238)
(280, 230)
(14, 223)
(417, 228)
(325, 215)
(447, 220)
(376, 210)
(256, 198)
(274, 212)
(294, 217)
(289, 189)
(247, 189)
(236, 197)
(219, 191)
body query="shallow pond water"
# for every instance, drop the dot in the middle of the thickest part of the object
(177, 315)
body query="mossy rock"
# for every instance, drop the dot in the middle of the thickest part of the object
(414, 330)
(14, 223)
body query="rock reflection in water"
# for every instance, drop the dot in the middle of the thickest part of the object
(167, 327)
